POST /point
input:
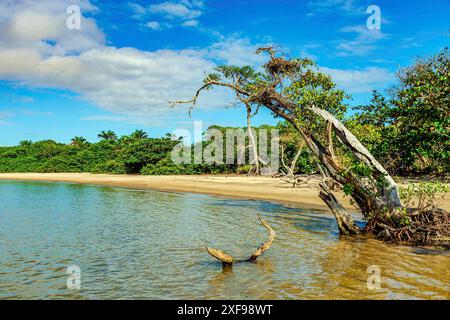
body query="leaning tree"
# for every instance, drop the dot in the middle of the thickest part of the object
(296, 91)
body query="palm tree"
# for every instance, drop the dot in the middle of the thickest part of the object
(78, 141)
(138, 135)
(25, 143)
(107, 135)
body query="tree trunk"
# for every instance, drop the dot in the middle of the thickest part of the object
(344, 221)
(252, 141)
(389, 190)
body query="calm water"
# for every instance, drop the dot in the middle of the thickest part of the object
(134, 244)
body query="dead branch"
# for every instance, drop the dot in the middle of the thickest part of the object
(220, 255)
(266, 245)
(228, 260)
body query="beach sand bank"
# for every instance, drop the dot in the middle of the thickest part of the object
(258, 188)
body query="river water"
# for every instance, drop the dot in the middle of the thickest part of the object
(133, 244)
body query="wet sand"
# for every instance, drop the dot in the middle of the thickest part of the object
(305, 195)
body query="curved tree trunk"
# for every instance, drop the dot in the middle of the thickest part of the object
(389, 190)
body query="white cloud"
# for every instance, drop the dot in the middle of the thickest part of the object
(125, 81)
(359, 81)
(364, 42)
(154, 25)
(138, 9)
(190, 23)
(347, 7)
(236, 51)
(183, 10)
(34, 24)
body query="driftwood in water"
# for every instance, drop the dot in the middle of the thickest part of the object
(228, 260)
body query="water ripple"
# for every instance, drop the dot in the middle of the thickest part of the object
(133, 244)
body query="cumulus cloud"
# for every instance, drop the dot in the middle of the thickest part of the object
(131, 83)
(154, 25)
(182, 12)
(172, 10)
(363, 43)
(121, 80)
(190, 23)
(358, 81)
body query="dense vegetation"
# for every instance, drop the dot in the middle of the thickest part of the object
(406, 129)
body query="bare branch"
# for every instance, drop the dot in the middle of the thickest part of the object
(229, 260)
(266, 245)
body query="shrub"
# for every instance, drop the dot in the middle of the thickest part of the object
(423, 196)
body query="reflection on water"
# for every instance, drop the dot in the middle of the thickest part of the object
(134, 244)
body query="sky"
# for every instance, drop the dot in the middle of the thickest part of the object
(128, 58)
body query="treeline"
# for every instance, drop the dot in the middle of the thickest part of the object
(129, 154)
(406, 129)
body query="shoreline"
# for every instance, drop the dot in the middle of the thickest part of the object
(263, 188)
(241, 187)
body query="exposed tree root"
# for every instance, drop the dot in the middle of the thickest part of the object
(414, 227)
(228, 260)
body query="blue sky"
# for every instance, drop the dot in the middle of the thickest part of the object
(129, 57)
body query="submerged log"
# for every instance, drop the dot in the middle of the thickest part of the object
(220, 255)
(228, 260)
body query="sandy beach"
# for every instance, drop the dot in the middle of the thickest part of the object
(258, 188)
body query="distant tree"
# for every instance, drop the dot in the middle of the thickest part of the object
(78, 141)
(138, 135)
(139, 152)
(107, 135)
(25, 143)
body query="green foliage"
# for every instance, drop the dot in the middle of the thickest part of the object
(348, 189)
(131, 154)
(409, 130)
(79, 141)
(107, 135)
(137, 153)
(424, 195)
(110, 155)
